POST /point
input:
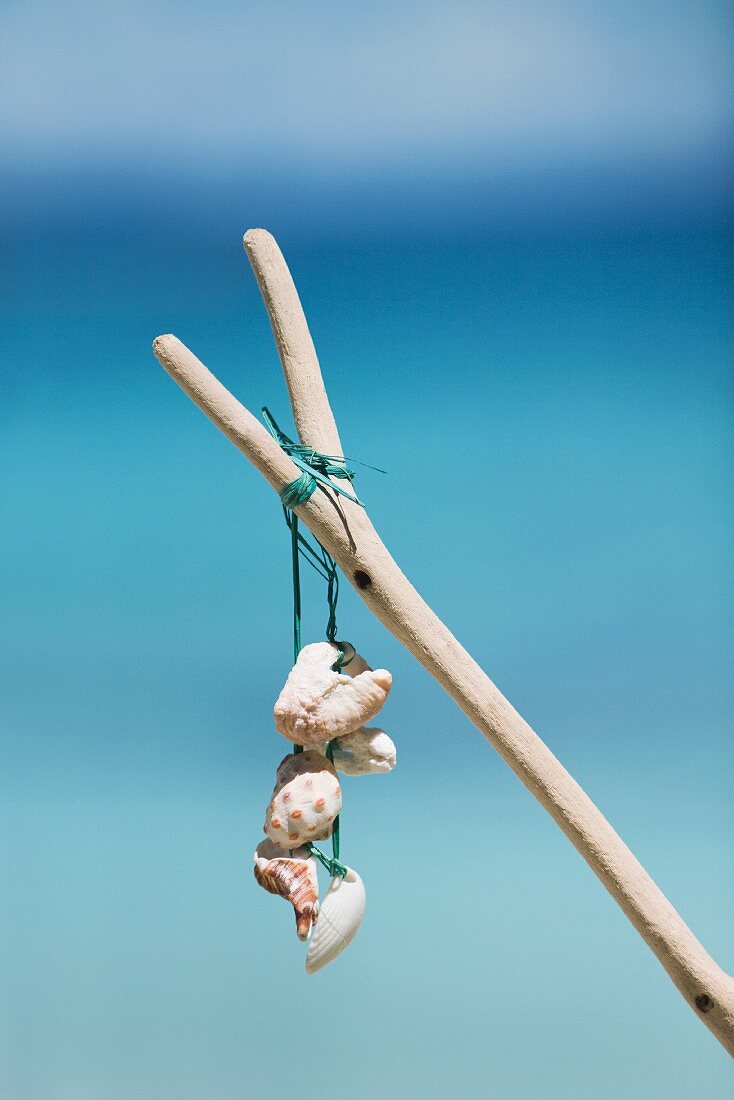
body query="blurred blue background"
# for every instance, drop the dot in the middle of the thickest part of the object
(510, 228)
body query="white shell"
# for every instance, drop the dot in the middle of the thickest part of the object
(305, 800)
(340, 916)
(354, 662)
(365, 752)
(317, 704)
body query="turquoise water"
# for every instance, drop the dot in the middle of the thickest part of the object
(554, 410)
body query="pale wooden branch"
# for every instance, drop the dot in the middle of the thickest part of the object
(365, 561)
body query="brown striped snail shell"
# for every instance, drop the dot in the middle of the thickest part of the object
(293, 878)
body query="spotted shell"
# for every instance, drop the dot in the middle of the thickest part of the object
(294, 878)
(305, 801)
(318, 704)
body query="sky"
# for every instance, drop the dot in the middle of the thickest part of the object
(510, 226)
(381, 110)
(399, 82)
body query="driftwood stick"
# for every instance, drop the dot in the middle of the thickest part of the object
(366, 563)
(311, 410)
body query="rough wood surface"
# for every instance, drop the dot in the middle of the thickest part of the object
(349, 536)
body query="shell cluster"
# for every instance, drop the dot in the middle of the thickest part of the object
(322, 708)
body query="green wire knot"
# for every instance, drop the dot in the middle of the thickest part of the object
(298, 491)
(333, 866)
(316, 468)
(347, 653)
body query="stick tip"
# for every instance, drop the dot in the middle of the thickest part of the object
(257, 238)
(162, 343)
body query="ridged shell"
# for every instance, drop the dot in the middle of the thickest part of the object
(365, 752)
(340, 916)
(293, 878)
(306, 799)
(317, 704)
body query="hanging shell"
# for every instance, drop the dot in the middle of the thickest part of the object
(365, 752)
(354, 663)
(306, 799)
(340, 916)
(318, 704)
(293, 878)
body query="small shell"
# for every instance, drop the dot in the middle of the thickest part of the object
(306, 799)
(317, 704)
(340, 916)
(293, 878)
(355, 662)
(366, 751)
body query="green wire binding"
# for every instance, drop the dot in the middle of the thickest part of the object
(316, 466)
(316, 470)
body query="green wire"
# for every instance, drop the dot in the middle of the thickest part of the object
(315, 471)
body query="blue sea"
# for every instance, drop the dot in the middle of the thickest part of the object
(553, 404)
